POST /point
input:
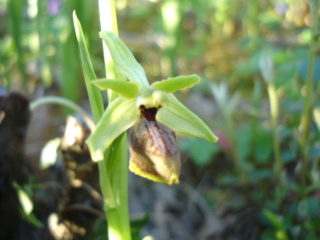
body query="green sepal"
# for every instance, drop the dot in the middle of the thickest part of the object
(180, 119)
(120, 115)
(124, 61)
(122, 87)
(171, 85)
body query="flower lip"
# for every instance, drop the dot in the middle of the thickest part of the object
(149, 113)
(153, 149)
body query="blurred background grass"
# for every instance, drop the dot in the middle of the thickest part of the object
(240, 49)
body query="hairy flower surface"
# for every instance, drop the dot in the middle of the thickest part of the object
(152, 114)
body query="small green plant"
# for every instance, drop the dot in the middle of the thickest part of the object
(151, 111)
(267, 72)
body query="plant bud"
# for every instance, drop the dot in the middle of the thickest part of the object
(153, 150)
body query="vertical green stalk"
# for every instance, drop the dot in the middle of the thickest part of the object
(108, 22)
(116, 162)
(15, 10)
(274, 112)
(113, 169)
(42, 32)
(307, 107)
(266, 68)
(171, 17)
(253, 14)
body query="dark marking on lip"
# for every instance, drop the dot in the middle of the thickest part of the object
(148, 113)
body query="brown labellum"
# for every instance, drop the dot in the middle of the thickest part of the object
(153, 150)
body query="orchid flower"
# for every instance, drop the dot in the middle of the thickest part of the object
(151, 112)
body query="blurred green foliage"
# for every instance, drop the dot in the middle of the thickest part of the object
(224, 42)
(38, 45)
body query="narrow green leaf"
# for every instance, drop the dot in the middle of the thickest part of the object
(273, 218)
(180, 119)
(95, 97)
(124, 61)
(120, 115)
(31, 218)
(171, 85)
(24, 194)
(124, 88)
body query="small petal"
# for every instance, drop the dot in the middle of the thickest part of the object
(171, 85)
(124, 61)
(122, 87)
(153, 152)
(120, 115)
(180, 119)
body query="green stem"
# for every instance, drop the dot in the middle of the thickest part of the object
(305, 118)
(253, 12)
(64, 102)
(116, 163)
(307, 107)
(274, 111)
(118, 216)
(108, 22)
(15, 20)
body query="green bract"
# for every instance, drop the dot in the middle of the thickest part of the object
(139, 101)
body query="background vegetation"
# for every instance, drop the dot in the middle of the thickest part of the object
(260, 93)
